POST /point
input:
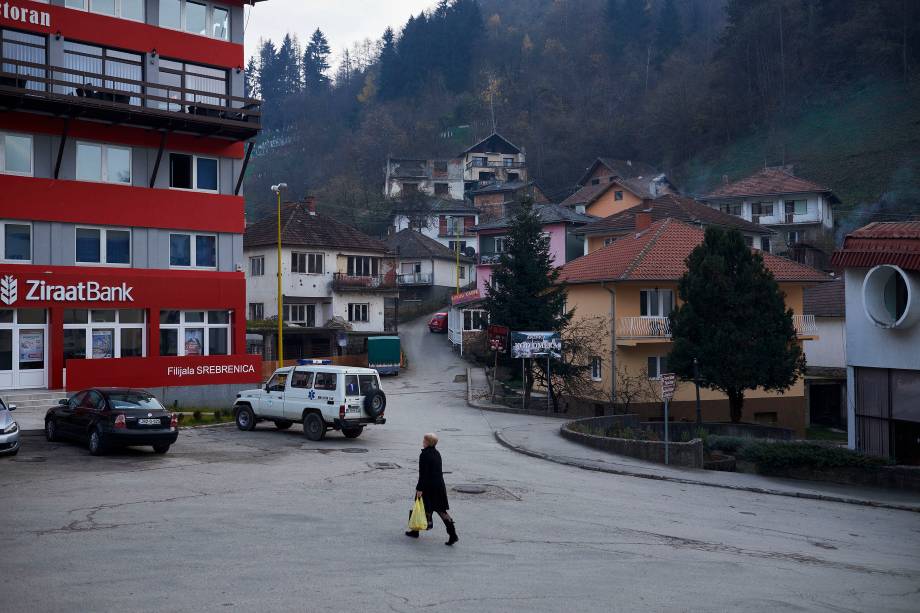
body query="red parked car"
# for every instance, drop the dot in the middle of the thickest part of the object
(438, 323)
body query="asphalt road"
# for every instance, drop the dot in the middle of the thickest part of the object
(267, 521)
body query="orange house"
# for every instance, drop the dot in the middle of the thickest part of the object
(611, 186)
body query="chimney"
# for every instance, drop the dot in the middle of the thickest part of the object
(310, 201)
(643, 221)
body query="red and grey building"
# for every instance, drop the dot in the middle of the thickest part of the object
(125, 131)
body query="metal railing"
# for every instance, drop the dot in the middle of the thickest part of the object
(643, 327)
(490, 258)
(493, 164)
(414, 278)
(805, 325)
(344, 281)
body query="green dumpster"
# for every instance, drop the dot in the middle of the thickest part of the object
(383, 354)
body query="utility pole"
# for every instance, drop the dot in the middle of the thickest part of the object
(278, 189)
(696, 381)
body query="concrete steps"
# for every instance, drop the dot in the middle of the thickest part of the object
(32, 399)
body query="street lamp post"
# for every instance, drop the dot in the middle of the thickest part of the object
(278, 189)
(696, 381)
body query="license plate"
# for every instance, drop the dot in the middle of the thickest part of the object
(353, 410)
(149, 422)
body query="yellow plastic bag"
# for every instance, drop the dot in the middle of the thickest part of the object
(418, 520)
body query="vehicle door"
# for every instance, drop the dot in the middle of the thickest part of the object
(354, 399)
(368, 383)
(325, 387)
(298, 395)
(273, 398)
(88, 411)
(64, 413)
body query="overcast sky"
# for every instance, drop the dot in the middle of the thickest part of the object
(342, 21)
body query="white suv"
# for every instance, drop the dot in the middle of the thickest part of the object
(318, 396)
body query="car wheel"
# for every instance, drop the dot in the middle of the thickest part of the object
(51, 431)
(14, 453)
(96, 443)
(283, 424)
(245, 418)
(161, 448)
(375, 403)
(314, 428)
(353, 432)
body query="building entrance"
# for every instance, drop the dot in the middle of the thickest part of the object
(23, 348)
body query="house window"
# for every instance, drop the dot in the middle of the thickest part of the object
(108, 246)
(357, 312)
(184, 333)
(609, 240)
(596, 366)
(595, 181)
(455, 226)
(440, 167)
(508, 161)
(126, 9)
(749, 240)
(480, 161)
(792, 238)
(452, 245)
(257, 266)
(193, 172)
(307, 263)
(103, 163)
(656, 302)
(765, 243)
(196, 18)
(301, 314)
(193, 250)
(15, 241)
(461, 272)
(475, 320)
(732, 208)
(441, 189)
(799, 207)
(23, 47)
(16, 154)
(618, 195)
(501, 244)
(104, 333)
(118, 70)
(362, 266)
(256, 311)
(657, 365)
(409, 188)
(761, 209)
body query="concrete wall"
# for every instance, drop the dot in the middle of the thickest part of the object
(200, 396)
(688, 454)
(829, 350)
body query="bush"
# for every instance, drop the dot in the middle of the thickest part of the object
(725, 444)
(180, 417)
(196, 415)
(218, 415)
(775, 457)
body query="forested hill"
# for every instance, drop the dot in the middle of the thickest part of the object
(701, 88)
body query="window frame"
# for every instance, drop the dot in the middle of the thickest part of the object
(209, 8)
(193, 251)
(355, 308)
(597, 368)
(87, 6)
(307, 258)
(659, 291)
(116, 326)
(16, 222)
(3, 136)
(309, 314)
(256, 306)
(372, 266)
(183, 326)
(103, 246)
(658, 362)
(194, 158)
(500, 240)
(257, 262)
(618, 195)
(103, 161)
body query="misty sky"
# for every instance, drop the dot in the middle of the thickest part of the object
(342, 21)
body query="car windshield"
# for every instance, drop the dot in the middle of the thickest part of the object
(133, 400)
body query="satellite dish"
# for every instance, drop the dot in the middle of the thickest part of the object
(469, 252)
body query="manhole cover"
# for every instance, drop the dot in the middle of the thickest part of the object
(32, 459)
(384, 465)
(450, 429)
(460, 379)
(353, 450)
(470, 489)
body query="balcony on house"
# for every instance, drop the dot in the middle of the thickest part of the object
(415, 278)
(484, 163)
(95, 92)
(644, 328)
(343, 282)
(489, 259)
(805, 326)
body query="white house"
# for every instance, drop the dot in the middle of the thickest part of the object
(333, 276)
(433, 177)
(447, 222)
(882, 272)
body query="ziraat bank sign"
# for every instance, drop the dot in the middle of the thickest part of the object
(16, 12)
(37, 290)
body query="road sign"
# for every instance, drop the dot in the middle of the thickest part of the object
(498, 338)
(668, 385)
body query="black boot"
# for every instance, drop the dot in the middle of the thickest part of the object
(412, 533)
(451, 532)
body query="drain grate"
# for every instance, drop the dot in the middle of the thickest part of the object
(384, 465)
(353, 450)
(470, 489)
(31, 459)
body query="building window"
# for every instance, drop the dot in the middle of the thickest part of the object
(455, 226)
(596, 368)
(792, 238)
(256, 311)
(125, 9)
(184, 333)
(656, 302)
(509, 161)
(409, 188)
(440, 167)
(609, 241)
(108, 246)
(357, 312)
(307, 263)
(23, 47)
(475, 320)
(193, 250)
(501, 244)
(595, 181)
(761, 209)
(765, 243)
(195, 18)
(618, 195)
(104, 333)
(732, 208)
(118, 70)
(16, 241)
(301, 314)
(480, 161)
(362, 266)
(16, 154)
(657, 365)
(193, 172)
(257, 266)
(749, 240)
(452, 245)
(798, 207)
(103, 163)
(441, 189)
(189, 84)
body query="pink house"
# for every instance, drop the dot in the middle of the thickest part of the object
(558, 221)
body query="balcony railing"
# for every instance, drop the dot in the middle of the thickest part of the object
(490, 258)
(415, 278)
(805, 325)
(493, 164)
(643, 327)
(91, 95)
(344, 282)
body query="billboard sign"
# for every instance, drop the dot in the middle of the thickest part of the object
(535, 344)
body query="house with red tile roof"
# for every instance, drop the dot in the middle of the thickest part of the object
(881, 268)
(631, 286)
(800, 210)
(610, 186)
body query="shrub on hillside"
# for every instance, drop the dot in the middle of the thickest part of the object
(775, 457)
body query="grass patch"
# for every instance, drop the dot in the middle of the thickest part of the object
(196, 417)
(776, 457)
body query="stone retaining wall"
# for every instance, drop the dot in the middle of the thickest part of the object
(688, 454)
(676, 430)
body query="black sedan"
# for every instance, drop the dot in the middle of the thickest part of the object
(108, 418)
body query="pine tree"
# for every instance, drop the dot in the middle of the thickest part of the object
(388, 84)
(316, 63)
(734, 321)
(288, 66)
(523, 294)
(252, 79)
(668, 33)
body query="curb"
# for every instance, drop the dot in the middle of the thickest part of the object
(740, 488)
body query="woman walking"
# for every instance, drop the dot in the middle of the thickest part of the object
(431, 488)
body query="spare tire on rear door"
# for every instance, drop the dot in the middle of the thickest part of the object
(375, 402)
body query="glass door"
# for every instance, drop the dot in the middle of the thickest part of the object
(31, 357)
(23, 348)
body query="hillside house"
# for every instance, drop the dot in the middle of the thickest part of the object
(439, 178)
(610, 186)
(448, 222)
(492, 159)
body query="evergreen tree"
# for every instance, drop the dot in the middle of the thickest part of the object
(389, 84)
(316, 63)
(288, 67)
(734, 321)
(252, 78)
(668, 33)
(523, 294)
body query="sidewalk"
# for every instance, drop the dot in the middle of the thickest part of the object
(542, 440)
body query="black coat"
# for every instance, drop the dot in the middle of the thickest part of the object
(431, 481)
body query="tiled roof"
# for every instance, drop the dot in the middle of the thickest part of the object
(549, 214)
(586, 195)
(892, 242)
(619, 168)
(677, 207)
(411, 244)
(658, 254)
(826, 299)
(301, 229)
(494, 143)
(772, 181)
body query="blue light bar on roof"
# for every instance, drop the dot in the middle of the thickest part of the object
(313, 362)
